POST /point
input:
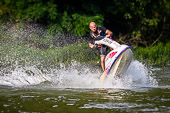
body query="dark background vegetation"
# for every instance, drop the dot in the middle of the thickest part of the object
(139, 21)
(142, 23)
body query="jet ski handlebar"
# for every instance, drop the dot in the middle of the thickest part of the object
(106, 41)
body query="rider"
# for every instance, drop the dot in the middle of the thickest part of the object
(95, 32)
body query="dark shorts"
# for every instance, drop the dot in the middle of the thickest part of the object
(103, 50)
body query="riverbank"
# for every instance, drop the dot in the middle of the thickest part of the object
(154, 55)
(12, 52)
(33, 44)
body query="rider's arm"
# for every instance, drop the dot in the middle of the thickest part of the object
(108, 33)
(91, 41)
(91, 45)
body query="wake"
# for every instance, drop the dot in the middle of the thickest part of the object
(75, 76)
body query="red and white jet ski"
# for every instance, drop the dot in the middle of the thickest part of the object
(117, 61)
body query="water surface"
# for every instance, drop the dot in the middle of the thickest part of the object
(74, 90)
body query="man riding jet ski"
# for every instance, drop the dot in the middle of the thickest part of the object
(116, 61)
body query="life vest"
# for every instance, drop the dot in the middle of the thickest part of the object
(99, 31)
(99, 34)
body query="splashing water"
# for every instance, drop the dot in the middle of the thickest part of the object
(137, 75)
(76, 76)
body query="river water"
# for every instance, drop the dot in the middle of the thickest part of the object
(76, 89)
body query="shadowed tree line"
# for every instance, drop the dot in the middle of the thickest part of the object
(137, 22)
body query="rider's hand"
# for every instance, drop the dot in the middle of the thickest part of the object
(91, 45)
(107, 36)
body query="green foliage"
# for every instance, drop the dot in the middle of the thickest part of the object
(158, 54)
(17, 52)
(128, 16)
(81, 23)
(54, 29)
(136, 33)
(150, 22)
(76, 23)
(147, 16)
(39, 10)
(66, 22)
(29, 10)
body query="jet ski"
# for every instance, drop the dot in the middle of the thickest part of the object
(117, 61)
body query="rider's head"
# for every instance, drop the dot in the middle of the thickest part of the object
(92, 26)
